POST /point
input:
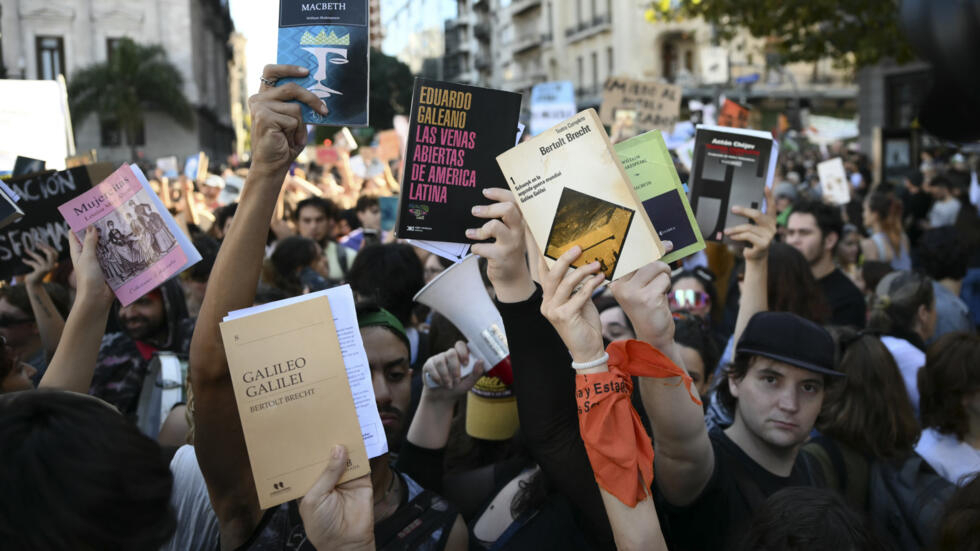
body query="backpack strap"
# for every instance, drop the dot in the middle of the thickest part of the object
(414, 523)
(836, 459)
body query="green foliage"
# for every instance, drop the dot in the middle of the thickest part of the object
(135, 79)
(854, 31)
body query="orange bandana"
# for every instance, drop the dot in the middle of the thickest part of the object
(615, 440)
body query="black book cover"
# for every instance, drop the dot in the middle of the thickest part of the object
(731, 167)
(454, 137)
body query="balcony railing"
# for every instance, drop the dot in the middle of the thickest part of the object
(518, 7)
(587, 28)
(527, 43)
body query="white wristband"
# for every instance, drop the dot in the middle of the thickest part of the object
(601, 360)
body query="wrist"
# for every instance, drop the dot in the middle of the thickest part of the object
(515, 288)
(91, 302)
(588, 355)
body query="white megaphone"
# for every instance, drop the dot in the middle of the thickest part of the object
(458, 294)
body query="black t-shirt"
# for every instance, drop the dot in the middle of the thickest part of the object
(718, 518)
(846, 301)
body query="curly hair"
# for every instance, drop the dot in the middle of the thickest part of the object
(952, 371)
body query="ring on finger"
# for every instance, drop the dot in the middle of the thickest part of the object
(269, 81)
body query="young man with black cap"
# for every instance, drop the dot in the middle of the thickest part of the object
(775, 391)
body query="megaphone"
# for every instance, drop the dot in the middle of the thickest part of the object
(458, 294)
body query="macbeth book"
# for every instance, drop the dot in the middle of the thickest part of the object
(731, 166)
(331, 40)
(302, 385)
(651, 171)
(572, 190)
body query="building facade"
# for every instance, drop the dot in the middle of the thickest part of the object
(39, 40)
(588, 41)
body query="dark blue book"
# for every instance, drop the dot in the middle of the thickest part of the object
(331, 40)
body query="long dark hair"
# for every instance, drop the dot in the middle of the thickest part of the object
(952, 371)
(791, 286)
(871, 410)
(291, 253)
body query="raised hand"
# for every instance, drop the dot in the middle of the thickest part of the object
(40, 264)
(643, 297)
(278, 131)
(445, 370)
(759, 234)
(506, 264)
(89, 278)
(569, 307)
(340, 517)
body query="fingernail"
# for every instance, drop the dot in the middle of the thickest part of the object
(668, 244)
(338, 450)
(323, 109)
(471, 233)
(304, 70)
(486, 191)
(477, 209)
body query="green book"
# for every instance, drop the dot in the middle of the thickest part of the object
(652, 173)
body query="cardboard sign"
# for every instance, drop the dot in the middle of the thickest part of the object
(657, 106)
(389, 145)
(833, 181)
(733, 115)
(326, 155)
(40, 196)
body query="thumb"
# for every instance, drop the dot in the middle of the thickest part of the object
(328, 480)
(91, 238)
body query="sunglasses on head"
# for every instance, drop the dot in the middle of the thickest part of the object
(686, 299)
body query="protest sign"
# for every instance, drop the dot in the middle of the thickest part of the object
(733, 115)
(40, 196)
(389, 145)
(38, 111)
(551, 103)
(657, 106)
(714, 65)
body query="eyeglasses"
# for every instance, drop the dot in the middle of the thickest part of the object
(7, 322)
(686, 299)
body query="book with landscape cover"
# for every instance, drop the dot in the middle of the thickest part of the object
(302, 385)
(140, 245)
(730, 166)
(331, 40)
(651, 171)
(454, 137)
(572, 190)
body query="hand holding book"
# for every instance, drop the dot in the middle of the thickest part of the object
(505, 249)
(278, 132)
(758, 233)
(339, 517)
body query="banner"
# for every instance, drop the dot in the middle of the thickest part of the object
(657, 106)
(40, 196)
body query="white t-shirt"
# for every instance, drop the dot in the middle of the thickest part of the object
(954, 460)
(909, 360)
(197, 525)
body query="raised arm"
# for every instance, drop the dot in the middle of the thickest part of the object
(684, 459)
(567, 304)
(74, 360)
(758, 235)
(278, 135)
(543, 383)
(50, 324)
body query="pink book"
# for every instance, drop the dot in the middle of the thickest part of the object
(140, 245)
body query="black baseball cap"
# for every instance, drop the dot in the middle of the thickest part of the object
(790, 339)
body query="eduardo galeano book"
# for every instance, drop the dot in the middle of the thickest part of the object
(331, 40)
(572, 190)
(454, 136)
(302, 385)
(731, 166)
(651, 171)
(140, 245)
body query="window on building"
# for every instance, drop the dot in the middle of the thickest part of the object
(110, 47)
(50, 57)
(689, 60)
(578, 12)
(581, 72)
(594, 13)
(112, 135)
(609, 60)
(595, 70)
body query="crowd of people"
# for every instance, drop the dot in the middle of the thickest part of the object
(810, 383)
